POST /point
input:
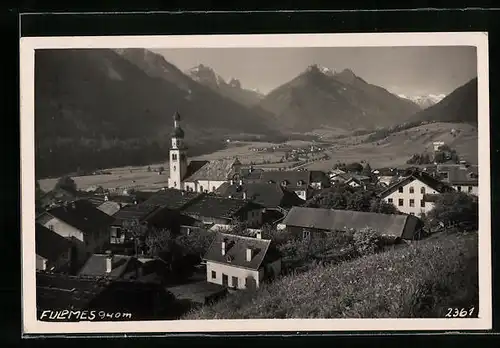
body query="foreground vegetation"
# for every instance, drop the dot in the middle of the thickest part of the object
(420, 280)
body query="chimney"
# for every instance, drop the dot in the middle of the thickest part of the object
(241, 182)
(109, 262)
(258, 235)
(244, 195)
(249, 254)
(223, 247)
(231, 182)
(106, 198)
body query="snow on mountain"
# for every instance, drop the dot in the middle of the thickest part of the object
(424, 101)
(324, 70)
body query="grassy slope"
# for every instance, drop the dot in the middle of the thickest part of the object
(421, 280)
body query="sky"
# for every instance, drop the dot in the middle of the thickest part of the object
(411, 71)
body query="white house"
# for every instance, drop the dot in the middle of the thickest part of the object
(462, 177)
(241, 262)
(53, 252)
(85, 225)
(409, 194)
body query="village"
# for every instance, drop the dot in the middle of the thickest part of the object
(218, 228)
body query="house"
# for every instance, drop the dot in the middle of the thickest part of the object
(334, 172)
(241, 262)
(80, 221)
(113, 266)
(69, 298)
(408, 193)
(200, 293)
(462, 177)
(270, 195)
(211, 209)
(356, 181)
(56, 197)
(303, 183)
(172, 198)
(318, 222)
(197, 176)
(53, 252)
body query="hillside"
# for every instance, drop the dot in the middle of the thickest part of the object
(458, 106)
(232, 89)
(397, 147)
(418, 281)
(100, 108)
(320, 97)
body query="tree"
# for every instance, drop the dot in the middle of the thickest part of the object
(381, 206)
(455, 209)
(367, 170)
(138, 232)
(354, 167)
(149, 168)
(366, 241)
(66, 183)
(195, 243)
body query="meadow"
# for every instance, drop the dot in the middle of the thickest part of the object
(421, 280)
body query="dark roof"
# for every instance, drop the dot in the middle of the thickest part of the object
(138, 212)
(218, 207)
(236, 247)
(193, 167)
(269, 195)
(461, 174)
(57, 291)
(250, 174)
(82, 215)
(318, 176)
(177, 116)
(178, 132)
(172, 198)
(427, 179)
(58, 195)
(49, 244)
(199, 292)
(219, 170)
(96, 266)
(96, 200)
(343, 220)
(292, 178)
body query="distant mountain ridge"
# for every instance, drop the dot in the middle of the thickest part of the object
(232, 89)
(324, 97)
(96, 108)
(424, 101)
(459, 106)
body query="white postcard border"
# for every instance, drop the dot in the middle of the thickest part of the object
(27, 48)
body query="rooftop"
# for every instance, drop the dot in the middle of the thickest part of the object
(343, 220)
(427, 179)
(49, 244)
(109, 207)
(270, 195)
(199, 292)
(138, 212)
(218, 170)
(172, 198)
(461, 174)
(236, 247)
(219, 207)
(96, 266)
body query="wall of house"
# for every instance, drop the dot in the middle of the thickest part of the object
(203, 185)
(302, 194)
(231, 271)
(114, 238)
(298, 232)
(417, 196)
(471, 189)
(254, 217)
(41, 263)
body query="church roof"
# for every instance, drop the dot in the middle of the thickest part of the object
(217, 170)
(177, 117)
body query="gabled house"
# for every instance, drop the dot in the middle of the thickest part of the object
(80, 221)
(56, 197)
(358, 181)
(211, 209)
(408, 193)
(318, 222)
(462, 177)
(53, 252)
(241, 262)
(212, 174)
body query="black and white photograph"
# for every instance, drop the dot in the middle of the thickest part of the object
(204, 183)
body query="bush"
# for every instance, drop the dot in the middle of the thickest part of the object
(66, 183)
(366, 241)
(455, 209)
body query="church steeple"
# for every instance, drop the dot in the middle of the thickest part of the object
(178, 155)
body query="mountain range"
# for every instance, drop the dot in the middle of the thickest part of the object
(459, 106)
(232, 89)
(100, 108)
(424, 101)
(321, 97)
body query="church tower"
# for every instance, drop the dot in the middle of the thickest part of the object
(178, 156)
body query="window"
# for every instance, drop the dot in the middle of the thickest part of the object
(225, 279)
(445, 175)
(422, 203)
(400, 202)
(422, 190)
(390, 200)
(175, 168)
(175, 183)
(306, 234)
(51, 227)
(469, 189)
(400, 189)
(412, 214)
(214, 275)
(174, 157)
(412, 202)
(412, 190)
(459, 188)
(235, 282)
(201, 188)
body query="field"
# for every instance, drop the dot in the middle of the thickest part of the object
(420, 280)
(394, 150)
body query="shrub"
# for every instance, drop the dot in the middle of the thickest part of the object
(455, 209)
(66, 183)
(366, 241)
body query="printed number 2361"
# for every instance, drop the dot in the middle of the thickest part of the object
(459, 312)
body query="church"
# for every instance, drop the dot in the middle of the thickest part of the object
(197, 176)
